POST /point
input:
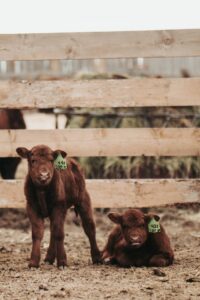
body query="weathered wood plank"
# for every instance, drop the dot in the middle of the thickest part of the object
(107, 141)
(100, 93)
(158, 43)
(118, 193)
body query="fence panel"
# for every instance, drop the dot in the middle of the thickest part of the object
(107, 141)
(160, 43)
(100, 93)
(118, 193)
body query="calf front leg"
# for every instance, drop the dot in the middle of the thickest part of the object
(58, 218)
(51, 252)
(37, 225)
(85, 211)
(108, 251)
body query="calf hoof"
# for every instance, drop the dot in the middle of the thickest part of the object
(49, 260)
(61, 264)
(107, 261)
(33, 264)
(61, 268)
(97, 258)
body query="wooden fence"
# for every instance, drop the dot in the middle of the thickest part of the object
(105, 93)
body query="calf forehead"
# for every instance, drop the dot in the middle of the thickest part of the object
(41, 151)
(133, 216)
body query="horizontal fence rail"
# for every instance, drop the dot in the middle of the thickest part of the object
(100, 93)
(160, 43)
(118, 193)
(107, 141)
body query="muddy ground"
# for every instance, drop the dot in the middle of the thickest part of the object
(82, 280)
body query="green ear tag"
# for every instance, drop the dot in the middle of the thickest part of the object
(60, 163)
(153, 226)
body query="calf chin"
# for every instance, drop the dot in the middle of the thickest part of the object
(43, 182)
(136, 245)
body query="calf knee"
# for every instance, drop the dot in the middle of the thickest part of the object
(37, 235)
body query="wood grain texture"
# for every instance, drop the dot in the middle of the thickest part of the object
(118, 193)
(158, 43)
(135, 92)
(107, 141)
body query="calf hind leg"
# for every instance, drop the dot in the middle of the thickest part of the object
(160, 260)
(85, 211)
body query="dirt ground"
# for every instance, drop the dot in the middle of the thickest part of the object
(82, 280)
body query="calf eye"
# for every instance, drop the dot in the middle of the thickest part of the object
(33, 161)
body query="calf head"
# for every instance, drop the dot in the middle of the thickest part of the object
(40, 163)
(134, 225)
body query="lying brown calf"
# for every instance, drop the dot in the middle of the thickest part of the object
(131, 244)
(49, 193)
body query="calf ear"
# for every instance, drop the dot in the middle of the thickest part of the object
(115, 217)
(150, 216)
(23, 152)
(57, 152)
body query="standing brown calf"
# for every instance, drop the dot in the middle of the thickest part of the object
(49, 193)
(131, 244)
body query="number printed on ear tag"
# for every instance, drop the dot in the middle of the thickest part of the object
(153, 226)
(60, 163)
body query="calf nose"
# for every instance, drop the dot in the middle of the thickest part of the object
(44, 175)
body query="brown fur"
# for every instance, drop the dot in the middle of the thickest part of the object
(10, 119)
(49, 193)
(130, 243)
